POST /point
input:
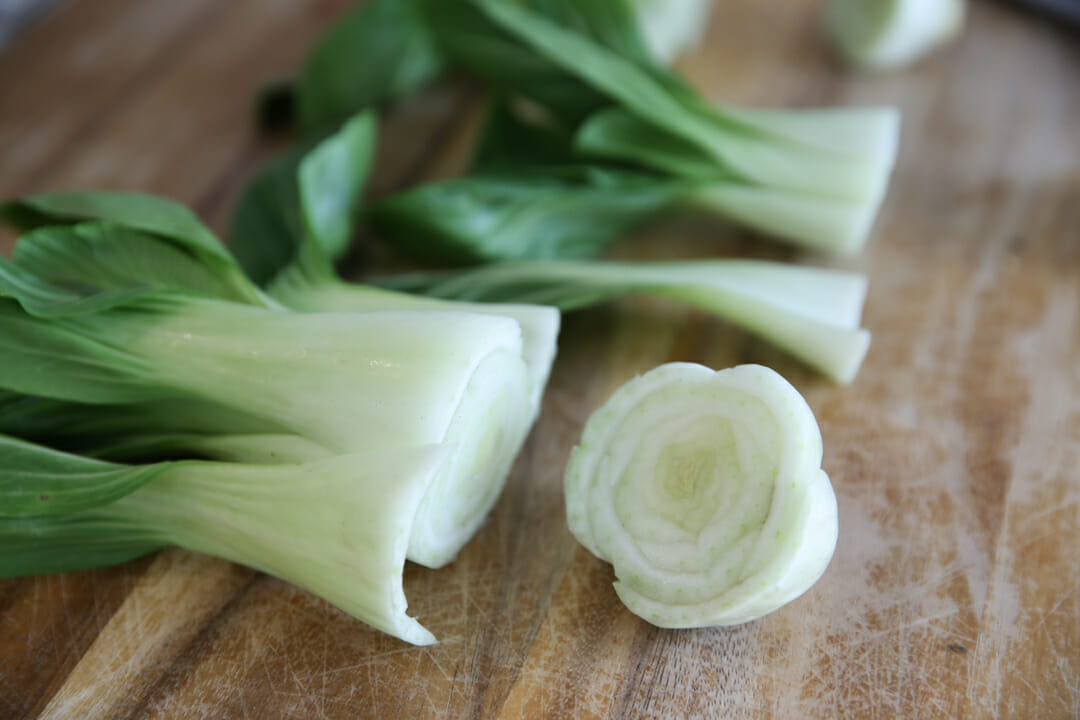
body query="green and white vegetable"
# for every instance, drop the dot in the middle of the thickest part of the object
(539, 324)
(298, 216)
(144, 325)
(888, 34)
(299, 213)
(341, 429)
(549, 214)
(814, 177)
(812, 313)
(338, 527)
(345, 381)
(705, 491)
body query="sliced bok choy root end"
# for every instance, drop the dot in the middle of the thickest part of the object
(337, 527)
(888, 34)
(705, 491)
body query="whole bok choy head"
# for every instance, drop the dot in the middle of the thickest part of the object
(103, 314)
(338, 527)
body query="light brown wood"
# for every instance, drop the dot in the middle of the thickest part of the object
(954, 455)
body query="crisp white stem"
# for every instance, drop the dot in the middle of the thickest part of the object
(539, 324)
(337, 527)
(812, 313)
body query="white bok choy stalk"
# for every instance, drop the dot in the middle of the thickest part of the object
(539, 324)
(812, 313)
(150, 279)
(335, 527)
(814, 177)
(705, 492)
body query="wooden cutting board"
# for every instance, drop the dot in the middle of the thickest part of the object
(955, 454)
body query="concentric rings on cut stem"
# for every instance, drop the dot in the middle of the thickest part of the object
(705, 491)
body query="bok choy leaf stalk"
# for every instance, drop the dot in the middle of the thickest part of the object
(539, 324)
(158, 429)
(338, 527)
(705, 491)
(812, 313)
(814, 177)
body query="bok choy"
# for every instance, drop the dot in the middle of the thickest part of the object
(298, 214)
(338, 526)
(705, 491)
(671, 26)
(141, 321)
(297, 217)
(812, 177)
(812, 313)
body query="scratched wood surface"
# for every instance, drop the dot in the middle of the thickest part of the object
(955, 454)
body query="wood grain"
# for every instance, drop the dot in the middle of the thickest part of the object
(955, 590)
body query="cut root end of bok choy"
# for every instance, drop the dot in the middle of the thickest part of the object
(705, 492)
(886, 34)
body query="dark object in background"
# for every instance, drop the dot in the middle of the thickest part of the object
(275, 107)
(16, 14)
(1067, 10)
